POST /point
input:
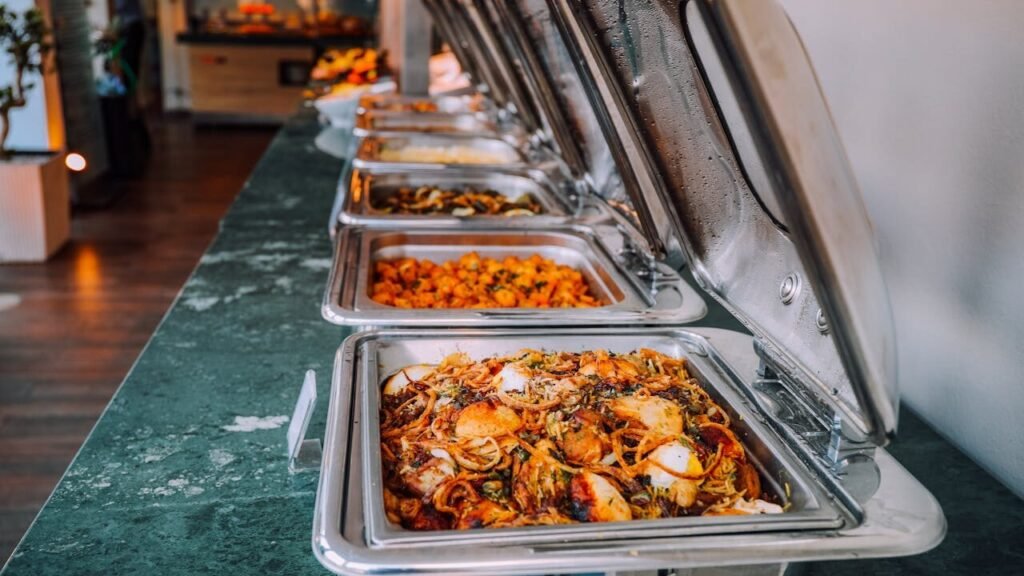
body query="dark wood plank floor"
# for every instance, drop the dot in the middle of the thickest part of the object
(84, 316)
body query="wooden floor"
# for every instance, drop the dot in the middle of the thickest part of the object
(71, 328)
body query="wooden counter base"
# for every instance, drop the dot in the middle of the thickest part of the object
(244, 82)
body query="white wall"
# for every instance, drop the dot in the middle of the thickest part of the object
(929, 99)
(173, 56)
(99, 15)
(28, 124)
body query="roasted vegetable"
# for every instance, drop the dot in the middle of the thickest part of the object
(475, 282)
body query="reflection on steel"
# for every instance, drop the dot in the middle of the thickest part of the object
(901, 517)
(630, 298)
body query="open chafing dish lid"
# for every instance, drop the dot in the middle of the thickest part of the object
(493, 44)
(465, 27)
(723, 140)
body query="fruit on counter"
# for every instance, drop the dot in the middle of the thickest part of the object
(355, 66)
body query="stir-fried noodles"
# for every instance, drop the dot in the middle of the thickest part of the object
(553, 438)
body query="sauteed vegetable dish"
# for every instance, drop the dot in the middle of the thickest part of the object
(475, 282)
(555, 438)
(465, 202)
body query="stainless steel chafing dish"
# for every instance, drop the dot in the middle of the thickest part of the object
(522, 115)
(368, 188)
(350, 537)
(725, 157)
(381, 355)
(627, 298)
(368, 123)
(447, 104)
(578, 190)
(413, 150)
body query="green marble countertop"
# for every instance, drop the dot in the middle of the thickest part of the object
(185, 472)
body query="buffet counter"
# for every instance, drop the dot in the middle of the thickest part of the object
(186, 473)
(252, 78)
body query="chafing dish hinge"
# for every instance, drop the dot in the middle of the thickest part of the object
(815, 427)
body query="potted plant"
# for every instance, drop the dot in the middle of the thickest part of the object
(34, 205)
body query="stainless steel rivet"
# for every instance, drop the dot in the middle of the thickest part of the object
(821, 321)
(789, 289)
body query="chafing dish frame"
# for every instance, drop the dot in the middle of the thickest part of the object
(446, 104)
(900, 518)
(368, 148)
(399, 124)
(560, 203)
(659, 299)
(810, 507)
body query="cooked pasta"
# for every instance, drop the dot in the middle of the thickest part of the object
(553, 438)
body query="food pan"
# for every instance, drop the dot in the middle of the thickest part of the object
(366, 188)
(397, 123)
(468, 104)
(808, 506)
(900, 518)
(446, 150)
(626, 298)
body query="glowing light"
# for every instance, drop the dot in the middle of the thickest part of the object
(87, 279)
(75, 162)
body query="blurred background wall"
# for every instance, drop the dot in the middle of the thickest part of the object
(929, 99)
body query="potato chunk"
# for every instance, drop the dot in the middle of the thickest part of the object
(594, 499)
(486, 418)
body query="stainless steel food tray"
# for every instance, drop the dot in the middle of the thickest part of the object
(388, 123)
(369, 150)
(900, 518)
(466, 104)
(363, 187)
(809, 506)
(665, 299)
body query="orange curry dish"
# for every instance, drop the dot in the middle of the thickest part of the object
(476, 282)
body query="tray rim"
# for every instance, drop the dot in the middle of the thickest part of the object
(820, 514)
(901, 519)
(349, 248)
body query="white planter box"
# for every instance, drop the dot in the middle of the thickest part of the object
(35, 211)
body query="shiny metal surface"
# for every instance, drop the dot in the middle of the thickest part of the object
(367, 188)
(452, 24)
(640, 176)
(368, 151)
(495, 51)
(467, 104)
(795, 135)
(381, 123)
(657, 102)
(630, 298)
(557, 65)
(939, 165)
(527, 63)
(387, 121)
(901, 518)
(378, 358)
(447, 31)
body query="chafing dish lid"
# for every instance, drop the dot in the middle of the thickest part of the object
(494, 46)
(724, 140)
